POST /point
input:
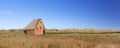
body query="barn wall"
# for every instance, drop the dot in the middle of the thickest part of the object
(39, 29)
(31, 31)
(27, 31)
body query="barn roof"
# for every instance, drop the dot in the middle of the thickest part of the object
(33, 24)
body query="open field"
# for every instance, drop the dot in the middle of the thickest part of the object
(13, 39)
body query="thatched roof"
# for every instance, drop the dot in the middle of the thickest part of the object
(33, 24)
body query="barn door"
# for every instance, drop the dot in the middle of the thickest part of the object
(25, 31)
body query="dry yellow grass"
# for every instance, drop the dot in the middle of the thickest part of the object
(19, 40)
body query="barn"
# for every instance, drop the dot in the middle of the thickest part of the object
(35, 27)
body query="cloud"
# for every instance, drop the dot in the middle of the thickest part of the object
(6, 12)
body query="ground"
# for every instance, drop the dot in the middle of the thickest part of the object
(9, 39)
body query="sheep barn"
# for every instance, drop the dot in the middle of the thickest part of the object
(35, 27)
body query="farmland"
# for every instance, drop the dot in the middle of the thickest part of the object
(16, 39)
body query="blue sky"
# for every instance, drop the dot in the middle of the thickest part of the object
(60, 14)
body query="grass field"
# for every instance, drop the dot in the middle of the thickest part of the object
(10, 39)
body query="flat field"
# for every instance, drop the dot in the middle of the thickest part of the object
(9, 39)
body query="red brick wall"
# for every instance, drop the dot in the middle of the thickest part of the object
(27, 31)
(31, 31)
(39, 29)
